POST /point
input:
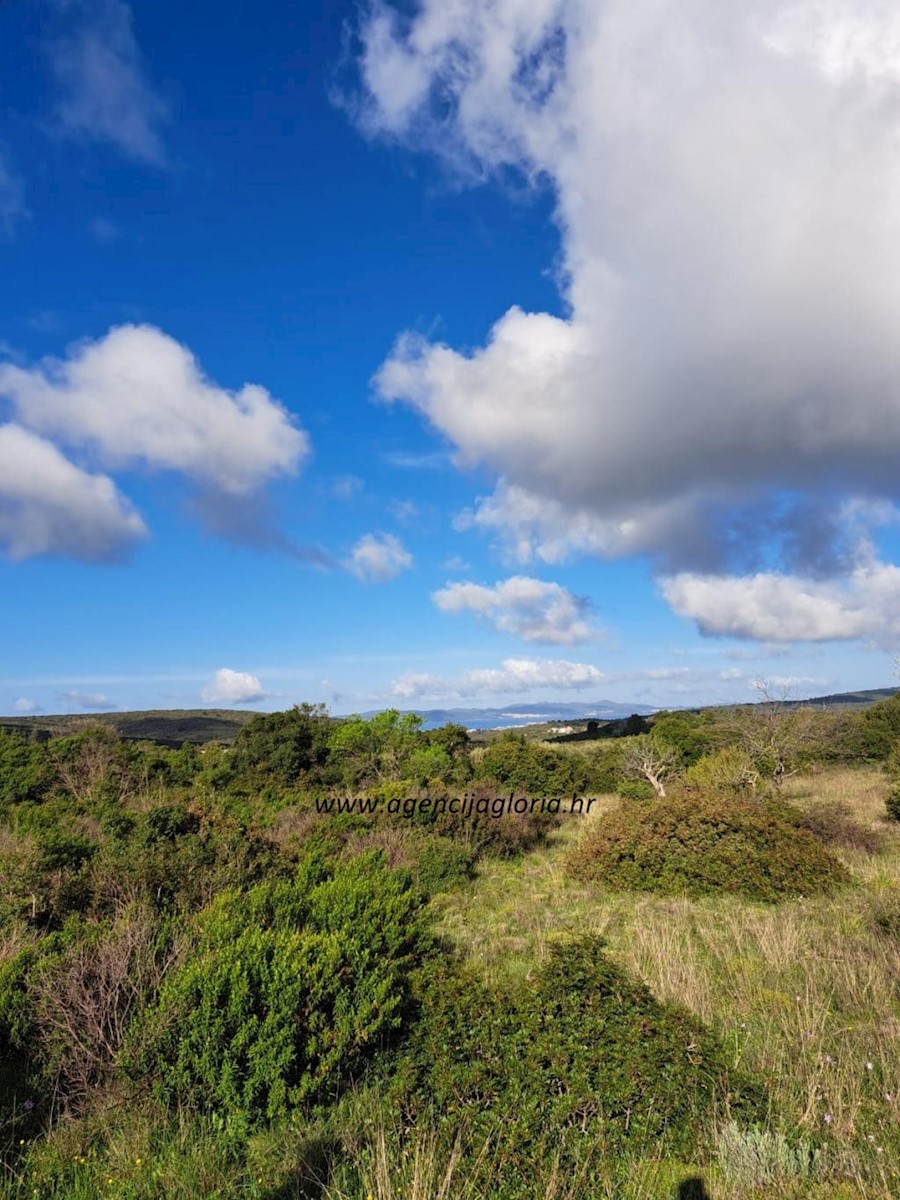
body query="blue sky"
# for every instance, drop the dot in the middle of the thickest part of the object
(458, 355)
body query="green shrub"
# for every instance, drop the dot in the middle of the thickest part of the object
(280, 748)
(26, 772)
(892, 767)
(878, 731)
(430, 762)
(635, 789)
(16, 1027)
(443, 863)
(579, 1064)
(286, 991)
(168, 822)
(603, 767)
(699, 844)
(690, 733)
(730, 769)
(529, 768)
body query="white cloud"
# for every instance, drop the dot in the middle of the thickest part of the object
(770, 606)
(728, 198)
(105, 92)
(12, 196)
(515, 675)
(26, 705)
(137, 397)
(50, 506)
(233, 687)
(378, 557)
(531, 609)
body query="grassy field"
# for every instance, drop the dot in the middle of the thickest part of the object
(805, 993)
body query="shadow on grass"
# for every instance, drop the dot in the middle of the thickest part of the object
(311, 1180)
(692, 1189)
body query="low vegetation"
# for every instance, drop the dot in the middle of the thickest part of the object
(696, 844)
(211, 984)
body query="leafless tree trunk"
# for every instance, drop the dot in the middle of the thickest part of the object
(650, 759)
(774, 731)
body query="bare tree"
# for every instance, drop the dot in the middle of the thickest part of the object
(775, 731)
(84, 1001)
(650, 758)
(93, 758)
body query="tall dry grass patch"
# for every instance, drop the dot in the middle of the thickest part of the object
(805, 993)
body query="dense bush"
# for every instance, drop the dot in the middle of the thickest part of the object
(635, 789)
(17, 956)
(577, 1065)
(697, 844)
(878, 729)
(275, 752)
(730, 769)
(285, 991)
(892, 768)
(26, 772)
(443, 863)
(530, 768)
(692, 734)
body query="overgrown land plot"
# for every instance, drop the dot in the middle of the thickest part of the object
(287, 964)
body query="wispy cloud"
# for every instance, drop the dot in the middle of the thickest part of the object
(104, 231)
(406, 460)
(95, 701)
(346, 487)
(12, 196)
(106, 94)
(248, 521)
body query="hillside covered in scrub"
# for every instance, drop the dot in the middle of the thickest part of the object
(211, 986)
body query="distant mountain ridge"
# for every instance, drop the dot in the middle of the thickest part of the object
(861, 699)
(172, 727)
(513, 715)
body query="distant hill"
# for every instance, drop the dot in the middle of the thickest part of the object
(168, 727)
(173, 726)
(850, 699)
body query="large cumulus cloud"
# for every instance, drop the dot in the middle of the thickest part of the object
(728, 195)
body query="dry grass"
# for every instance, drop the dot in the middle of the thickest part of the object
(805, 994)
